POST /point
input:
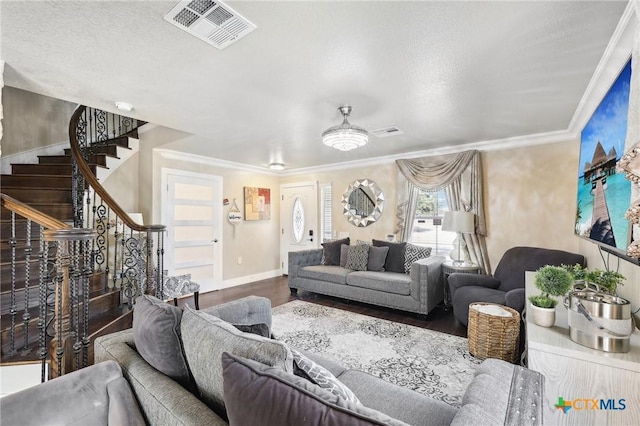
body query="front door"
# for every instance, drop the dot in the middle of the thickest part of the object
(298, 219)
(192, 211)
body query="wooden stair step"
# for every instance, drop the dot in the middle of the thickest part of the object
(47, 169)
(98, 159)
(39, 195)
(98, 305)
(36, 181)
(116, 319)
(60, 211)
(21, 226)
(97, 282)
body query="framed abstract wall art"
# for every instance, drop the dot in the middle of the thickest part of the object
(257, 203)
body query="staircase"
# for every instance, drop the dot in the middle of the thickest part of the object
(47, 187)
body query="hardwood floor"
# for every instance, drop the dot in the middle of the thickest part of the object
(277, 290)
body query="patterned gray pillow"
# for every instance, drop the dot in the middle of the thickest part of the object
(304, 367)
(358, 257)
(413, 253)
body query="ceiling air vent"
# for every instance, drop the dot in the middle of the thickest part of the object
(211, 21)
(385, 132)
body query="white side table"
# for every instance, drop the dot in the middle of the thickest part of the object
(448, 268)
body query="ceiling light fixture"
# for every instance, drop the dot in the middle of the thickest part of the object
(345, 136)
(124, 106)
(276, 166)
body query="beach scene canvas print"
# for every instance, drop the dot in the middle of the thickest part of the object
(604, 194)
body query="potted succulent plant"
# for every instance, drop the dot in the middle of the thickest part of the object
(551, 281)
(606, 281)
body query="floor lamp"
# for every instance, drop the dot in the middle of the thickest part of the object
(460, 222)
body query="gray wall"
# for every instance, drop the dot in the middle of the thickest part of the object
(33, 121)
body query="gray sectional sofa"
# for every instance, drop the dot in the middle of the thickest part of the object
(222, 362)
(419, 291)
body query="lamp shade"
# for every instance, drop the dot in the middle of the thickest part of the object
(458, 221)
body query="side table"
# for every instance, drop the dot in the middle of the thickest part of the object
(448, 268)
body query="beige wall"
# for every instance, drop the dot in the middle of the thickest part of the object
(33, 121)
(530, 197)
(256, 242)
(122, 185)
(384, 175)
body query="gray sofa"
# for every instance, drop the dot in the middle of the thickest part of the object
(274, 396)
(420, 291)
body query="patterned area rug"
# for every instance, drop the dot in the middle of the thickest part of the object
(436, 364)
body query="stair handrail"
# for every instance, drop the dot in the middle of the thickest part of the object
(89, 128)
(69, 348)
(93, 181)
(32, 214)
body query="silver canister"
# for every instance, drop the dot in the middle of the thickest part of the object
(599, 321)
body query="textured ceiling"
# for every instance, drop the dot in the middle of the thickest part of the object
(446, 73)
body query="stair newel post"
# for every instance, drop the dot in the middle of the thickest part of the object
(63, 345)
(26, 317)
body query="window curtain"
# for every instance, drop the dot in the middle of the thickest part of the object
(460, 175)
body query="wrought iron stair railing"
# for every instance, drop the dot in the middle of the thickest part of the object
(63, 289)
(131, 254)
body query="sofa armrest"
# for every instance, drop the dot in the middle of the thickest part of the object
(459, 280)
(517, 396)
(248, 310)
(426, 281)
(300, 259)
(162, 400)
(515, 299)
(105, 398)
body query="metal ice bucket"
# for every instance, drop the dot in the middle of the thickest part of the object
(599, 321)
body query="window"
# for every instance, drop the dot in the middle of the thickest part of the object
(427, 223)
(325, 211)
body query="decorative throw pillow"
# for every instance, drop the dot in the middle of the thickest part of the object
(305, 368)
(257, 394)
(331, 251)
(344, 252)
(156, 332)
(377, 257)
(358, 257)
(258, 329)
(205, 337)
(413, 253)
(395, 257)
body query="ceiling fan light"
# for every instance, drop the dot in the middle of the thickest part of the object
(276, 166)
(345, 136)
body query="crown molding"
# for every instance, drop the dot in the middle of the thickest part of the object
(490, 145)
(613, 59)
(214, 162)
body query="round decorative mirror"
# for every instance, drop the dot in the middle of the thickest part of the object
(362, 202)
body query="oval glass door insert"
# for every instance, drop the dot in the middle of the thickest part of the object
(297, 220)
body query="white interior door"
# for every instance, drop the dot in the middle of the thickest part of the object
(192, 211)
(298, 219)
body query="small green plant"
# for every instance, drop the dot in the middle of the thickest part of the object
(552, 281)
(608, 281)
(542, 301)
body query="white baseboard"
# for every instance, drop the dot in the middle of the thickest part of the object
(251, 278)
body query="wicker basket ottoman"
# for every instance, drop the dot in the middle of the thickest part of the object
(491, 335)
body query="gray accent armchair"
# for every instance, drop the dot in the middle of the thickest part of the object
(506, 287)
